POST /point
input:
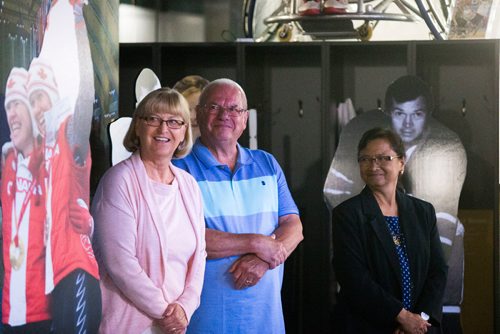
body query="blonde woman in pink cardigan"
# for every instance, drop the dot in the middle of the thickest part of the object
(150, 232)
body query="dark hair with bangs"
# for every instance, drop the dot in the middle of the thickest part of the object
(379, 133)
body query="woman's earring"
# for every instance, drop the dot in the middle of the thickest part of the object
(401, 172)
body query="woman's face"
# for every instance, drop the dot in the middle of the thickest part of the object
(21, 131)
(40, 103)
(159, 142)
(377, 172)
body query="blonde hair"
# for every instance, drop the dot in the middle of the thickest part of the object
(190, 84)
(161, 101)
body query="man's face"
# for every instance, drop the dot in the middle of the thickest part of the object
(40, 103)
(220, 127)
(408, 119)
(21, 131)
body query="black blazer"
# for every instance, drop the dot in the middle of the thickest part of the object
(367, 266)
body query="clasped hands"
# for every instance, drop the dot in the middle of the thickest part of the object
(411, 323)
(249, 269)
(174, 320)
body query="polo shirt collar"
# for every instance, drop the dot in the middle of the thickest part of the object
(205, 156)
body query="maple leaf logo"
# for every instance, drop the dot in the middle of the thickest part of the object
(11, 83)
(42, 74)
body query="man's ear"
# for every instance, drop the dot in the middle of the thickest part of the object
(246, 119)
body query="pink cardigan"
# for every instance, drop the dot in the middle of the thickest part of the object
(129, 248)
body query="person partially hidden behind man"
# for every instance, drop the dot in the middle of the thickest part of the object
(252, 222)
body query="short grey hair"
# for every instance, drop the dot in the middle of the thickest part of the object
(222, 82)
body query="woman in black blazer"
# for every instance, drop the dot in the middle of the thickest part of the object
(387, 255)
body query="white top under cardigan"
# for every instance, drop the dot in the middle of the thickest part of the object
(133, 248)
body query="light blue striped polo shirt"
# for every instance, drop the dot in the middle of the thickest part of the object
(250, 200)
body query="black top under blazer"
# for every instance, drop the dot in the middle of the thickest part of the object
(367, 267)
